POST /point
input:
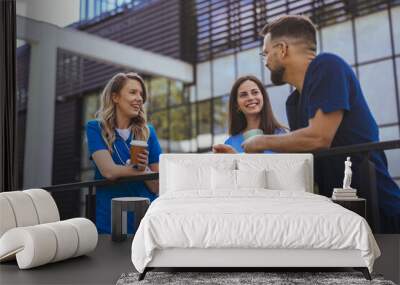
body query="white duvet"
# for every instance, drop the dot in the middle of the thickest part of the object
(254, 218)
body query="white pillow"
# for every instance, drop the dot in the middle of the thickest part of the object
(251, 178)
(292, 178)
(282, 174)
(223, 179)
(185, 177)
(190, 176)
(226, 179)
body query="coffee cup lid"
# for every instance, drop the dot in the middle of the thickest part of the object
(252, 133)
(139, 143)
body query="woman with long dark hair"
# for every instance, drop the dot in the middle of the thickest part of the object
(249, 109)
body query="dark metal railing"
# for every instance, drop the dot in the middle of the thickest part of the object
(367, 189)
(91, 185)
(358, 148)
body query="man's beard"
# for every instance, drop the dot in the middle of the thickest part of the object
(277, 76)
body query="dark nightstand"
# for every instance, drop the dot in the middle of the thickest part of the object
(138, 205)
(357, 205)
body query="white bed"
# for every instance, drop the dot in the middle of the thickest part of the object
(247, 211)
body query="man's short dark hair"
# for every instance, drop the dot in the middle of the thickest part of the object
(292, 26)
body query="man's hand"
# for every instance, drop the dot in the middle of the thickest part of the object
(254, 144)
(319, 134)
(223, 148)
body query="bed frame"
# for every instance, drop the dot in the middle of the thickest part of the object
(242, 259)
(246, 258)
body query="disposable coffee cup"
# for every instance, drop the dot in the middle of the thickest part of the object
(252, 133)
(137, 147)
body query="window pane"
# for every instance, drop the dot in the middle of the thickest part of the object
(318, 42)
(90, 107)
(90, 9)
(110, 5)
(249, 62)
(97, 8)
(396, 28)
(266, 76)
(398, 75)
(177, 95)
(179, 129)
(220, 119)
(393, 156)
(221, 115)
(158, 93)
(160, 123)
(373, 38)
(179, 125)
(193, 115)
(85, 161)
(83, 10)
(204, 137)
(338, 39)
(278, 96)
(223, 75)
(192, 95)
(377, 82)
(204, 117)
(203, 80)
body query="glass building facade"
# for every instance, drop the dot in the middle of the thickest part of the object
(95, 9)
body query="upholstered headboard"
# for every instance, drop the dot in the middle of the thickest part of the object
(299, 167)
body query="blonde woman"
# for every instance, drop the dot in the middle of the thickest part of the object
(120, 119)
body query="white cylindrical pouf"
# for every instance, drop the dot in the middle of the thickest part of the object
(87, 234)
(7, 218)
(45, 205)
(34, 246)
(67, 239)
(23, 208)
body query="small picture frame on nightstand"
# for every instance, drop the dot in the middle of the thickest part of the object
(357, 205)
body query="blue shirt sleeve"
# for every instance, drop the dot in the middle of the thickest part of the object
(328, 86)
(235, 142)
(154, 146)
(280, 131)
(95, 140)
(228, 141)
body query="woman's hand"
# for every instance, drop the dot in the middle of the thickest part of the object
(223, 148)
(143, 160)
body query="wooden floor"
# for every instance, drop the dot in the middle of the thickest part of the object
(110, 259)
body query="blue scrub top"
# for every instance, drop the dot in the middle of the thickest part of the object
(331, 85)
(237, 140)
(119, 155)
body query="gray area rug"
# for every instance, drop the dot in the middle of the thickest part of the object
(229, 278)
